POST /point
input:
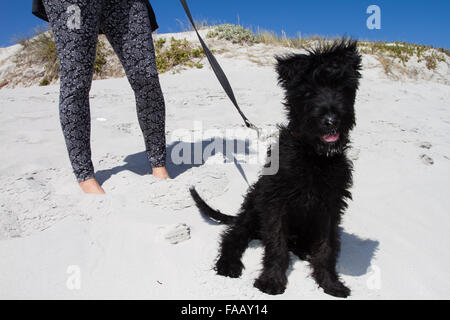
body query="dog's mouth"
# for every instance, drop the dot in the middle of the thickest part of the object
(330, 138)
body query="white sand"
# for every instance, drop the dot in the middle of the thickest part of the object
(395, 236)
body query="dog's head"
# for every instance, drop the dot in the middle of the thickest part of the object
(320, 91)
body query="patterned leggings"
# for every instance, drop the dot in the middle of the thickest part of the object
(76, 24)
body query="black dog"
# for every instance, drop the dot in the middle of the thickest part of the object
(300, 207)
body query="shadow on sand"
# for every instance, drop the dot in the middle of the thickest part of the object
(138, 162)
(356, 253)
(355, 257)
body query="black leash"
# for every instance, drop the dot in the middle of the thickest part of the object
(218, 71)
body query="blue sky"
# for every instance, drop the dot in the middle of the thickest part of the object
(424, 21)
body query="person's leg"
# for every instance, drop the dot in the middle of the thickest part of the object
(75, 28)
(127, 27)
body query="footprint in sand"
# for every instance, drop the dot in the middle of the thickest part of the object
(127, 127)
(427, 160)
(9, 224)
(36, 200)
(27, 203)
(174, 233)
(174, 194)
(425, 145)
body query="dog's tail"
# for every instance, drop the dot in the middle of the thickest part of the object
(210, 212)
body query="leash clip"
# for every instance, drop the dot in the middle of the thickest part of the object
(253, 127)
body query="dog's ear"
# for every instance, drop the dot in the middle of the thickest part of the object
(353, 56)
(291, 66)
(353, 61)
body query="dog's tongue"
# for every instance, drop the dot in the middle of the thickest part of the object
(331, 138)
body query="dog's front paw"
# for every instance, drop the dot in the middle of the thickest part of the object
(271, 285)
(229, 269)
(336, 288)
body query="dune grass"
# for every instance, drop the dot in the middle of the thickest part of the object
(402, 52)
(172, 54)
(389, 54)
(177, 53)
(41, 49)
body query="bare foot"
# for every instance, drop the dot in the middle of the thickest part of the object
(91, 186)
(160, 173)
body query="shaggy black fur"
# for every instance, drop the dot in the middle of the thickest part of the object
(300, 207)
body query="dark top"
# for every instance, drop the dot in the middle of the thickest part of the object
(39, 11)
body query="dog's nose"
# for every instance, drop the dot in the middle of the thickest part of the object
(330, 121)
